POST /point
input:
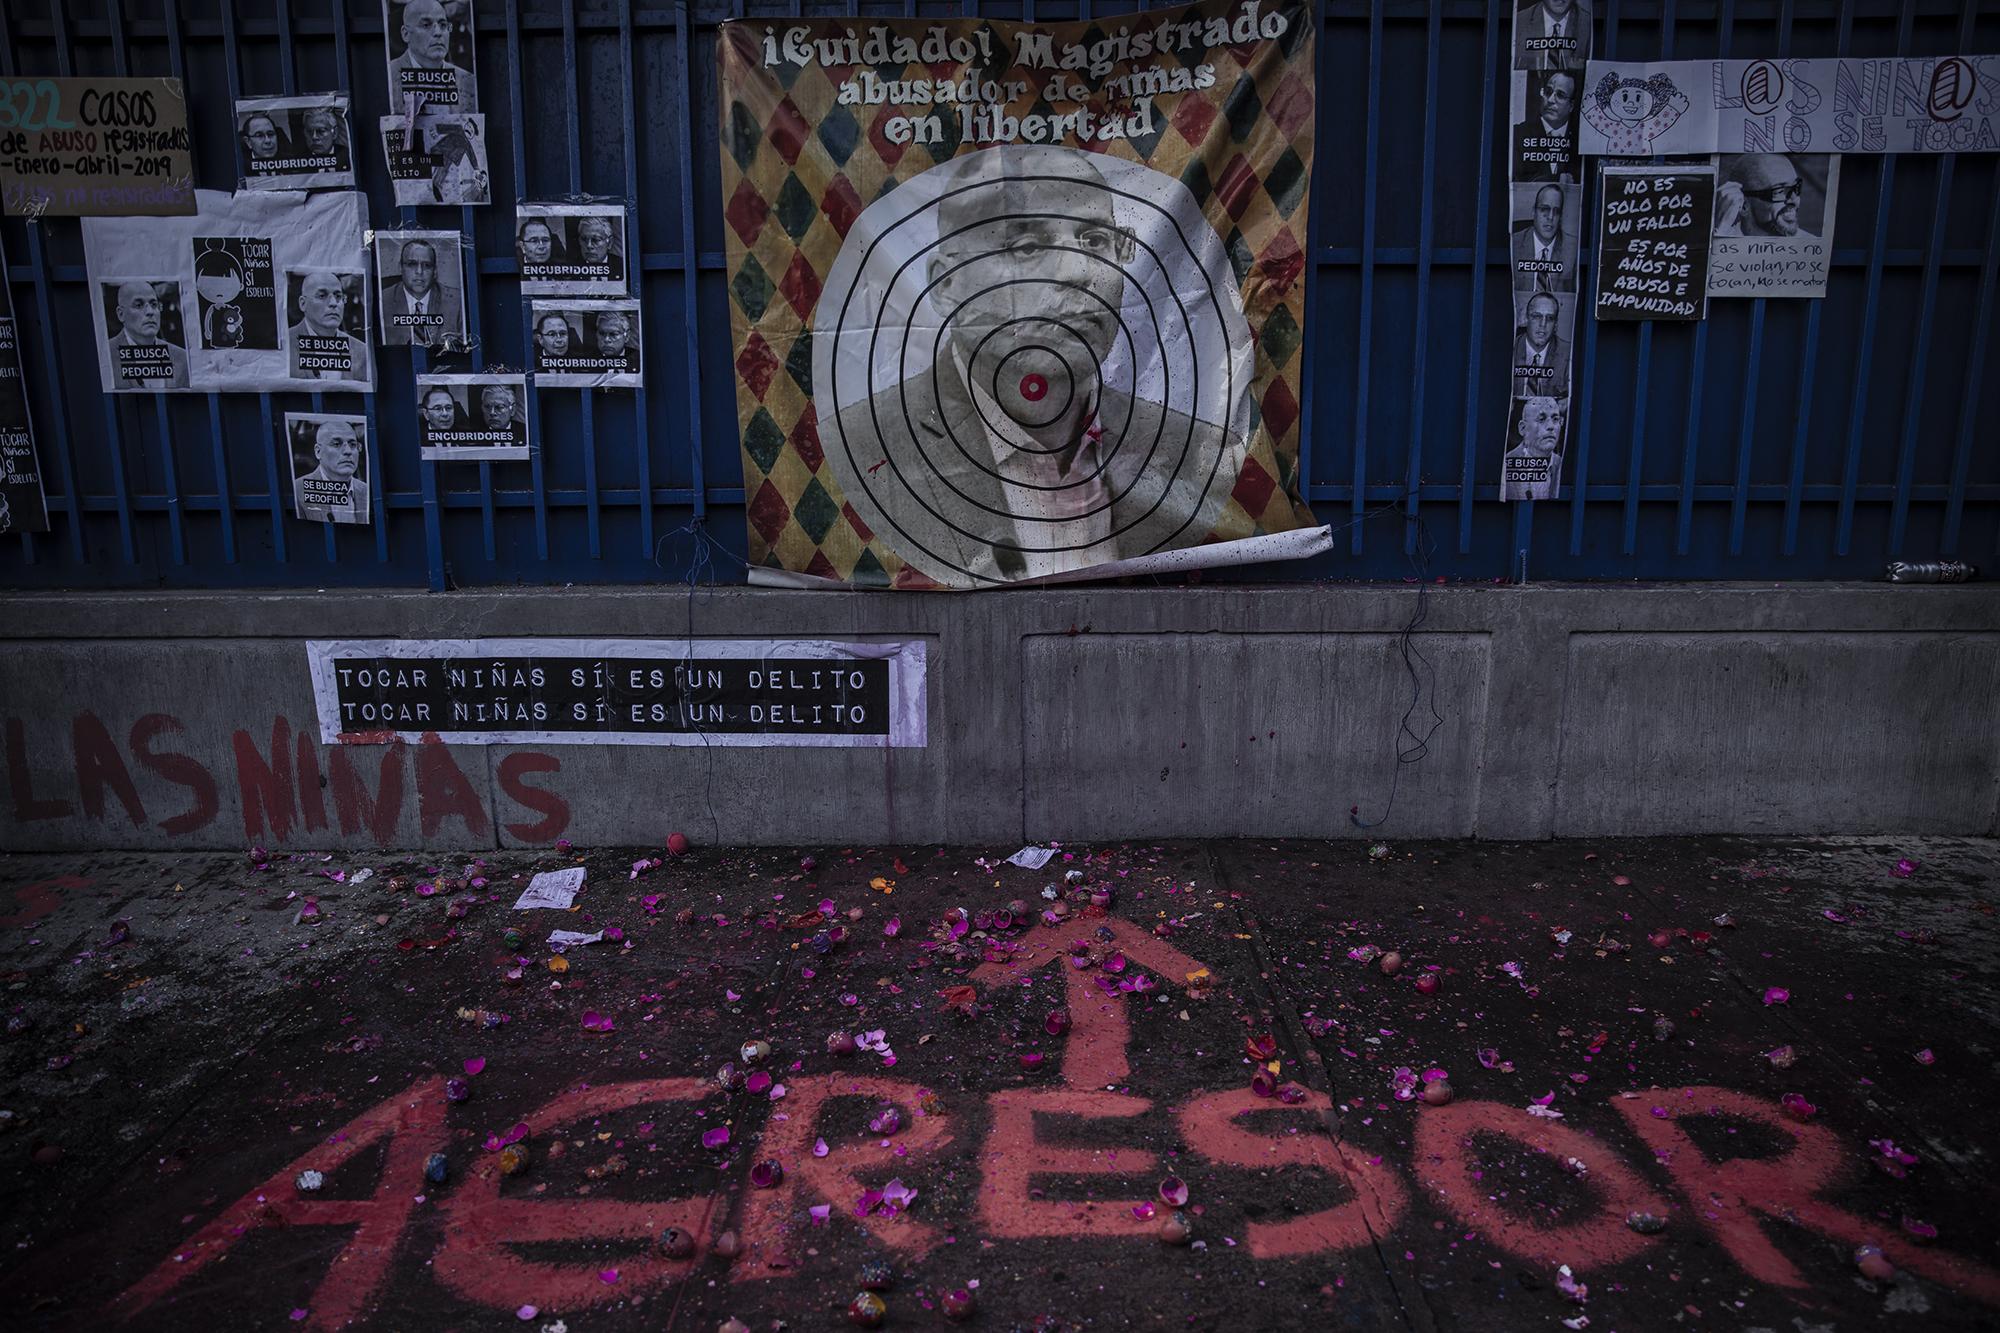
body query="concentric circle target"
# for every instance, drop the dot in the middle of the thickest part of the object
(1032, 360)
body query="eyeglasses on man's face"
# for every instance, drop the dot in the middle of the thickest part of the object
(1789, 193)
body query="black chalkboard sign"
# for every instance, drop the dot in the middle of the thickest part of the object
(1652, 237)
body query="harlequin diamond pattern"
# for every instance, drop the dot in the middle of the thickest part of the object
(798, 169)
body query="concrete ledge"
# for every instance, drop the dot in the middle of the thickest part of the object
(186, 719)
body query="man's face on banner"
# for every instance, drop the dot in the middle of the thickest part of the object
(613, 331)
(1557, 8)
(322, 132)
(439, 409)
(338, 451)
(1542, 315)
(427, 32)
(552, 336)
(1557, 98)
(593, 239)
(536, 243)
(322, 302)
(1548, 213)
(1542, 424)
(1063, 263)
(497, 402)
(139, 311)
(420, 267)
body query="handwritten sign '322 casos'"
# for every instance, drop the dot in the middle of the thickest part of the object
(78, 147)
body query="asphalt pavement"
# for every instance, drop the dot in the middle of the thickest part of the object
(1728, 1083)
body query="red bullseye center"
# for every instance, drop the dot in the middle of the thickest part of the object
(1034, 388)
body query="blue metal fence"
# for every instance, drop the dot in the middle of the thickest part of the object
(1777, 440)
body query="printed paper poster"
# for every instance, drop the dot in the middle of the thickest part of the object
(296, 143)
(326, 337)
(23, 506)
(421, 275)
(437, 160)
(431, 54)
(587, 344)
(571, 249)
(1773, 224)
(226, 306)
(329, 466)
(473, 418)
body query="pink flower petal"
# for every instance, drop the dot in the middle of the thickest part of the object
(715, 1138)
(525, 1313)
(475, 1064)
(1776, 995)
(820, 1149)
(608, 1276)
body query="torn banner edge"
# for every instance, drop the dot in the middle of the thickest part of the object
(1300, 544)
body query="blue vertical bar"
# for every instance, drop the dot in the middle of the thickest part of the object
(1309, 342)
(1795, 484)
(1635, 465)
(1475, 321)
(1372, 127)
(1746, 427)
(121, 55)
(1413, 467)
(1913, 392)
(589, 433)
(275, 489)
(1579, 497)
(1975, 378)
(225, 492)
(1878, 245)
(38, 264)
(378, 484)
(690, 273)
(114, 439)
(1739, 495)
(1684, 519)
(636, 274)
(534, 404)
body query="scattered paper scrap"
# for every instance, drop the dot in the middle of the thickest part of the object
(552, 888)
(565, 938)
(1032, 858)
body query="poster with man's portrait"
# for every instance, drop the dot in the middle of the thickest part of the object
(1773, 230)
(586, 344)
(1544, 338)
(295, 143)
(329, 454)
(571, 249)
(431, 57)
(437, 160)
(421, 277)
(24, 507)
(1033, 354)
(226, 280)
(1537, 433)
(473, 418)
(147, 349)
(326, 333)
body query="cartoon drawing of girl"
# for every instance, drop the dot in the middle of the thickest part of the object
(1630, 113)
(218, 278)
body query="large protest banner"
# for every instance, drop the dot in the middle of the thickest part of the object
(1019, 301)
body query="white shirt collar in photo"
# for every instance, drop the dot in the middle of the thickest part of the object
(1043, 516)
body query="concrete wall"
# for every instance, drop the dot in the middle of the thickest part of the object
(186, 720)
